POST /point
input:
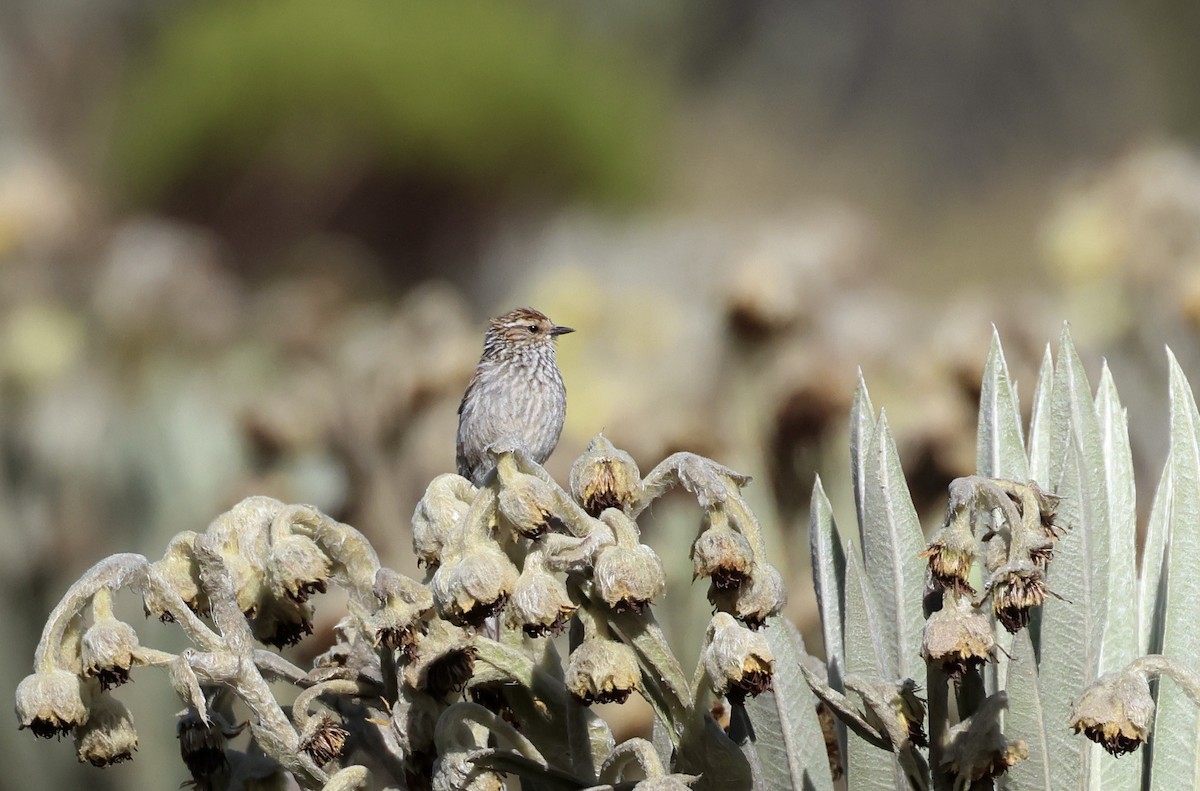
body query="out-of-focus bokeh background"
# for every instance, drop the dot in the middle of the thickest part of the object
(249, 247)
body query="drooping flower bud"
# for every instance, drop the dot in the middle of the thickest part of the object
(628, 578)
(1116, 712)
(178, 568)
(755, 600)
(737, 660)
(602, 671)
(280, 621)
(721, 553)
(540, 604)
(51, 703)
(951, 554)
(439, 516)
(605, 477)
(108, 737)
(108, 650)
(527, 502)
(476, 587)
(957, 637)
(977, 748)
(298, 568)
(400, 621)
(202, 744)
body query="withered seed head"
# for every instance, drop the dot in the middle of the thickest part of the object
(108, 737)
(108, 650)
(628, 578)
(1015, 594)
(723, 554)
(737, 660)
(951, 554)
(957, 637)
(323, 739)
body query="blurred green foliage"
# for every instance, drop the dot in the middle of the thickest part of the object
(487, 95)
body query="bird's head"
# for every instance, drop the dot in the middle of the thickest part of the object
(522, 329)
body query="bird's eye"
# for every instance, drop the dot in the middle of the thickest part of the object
(533, 328)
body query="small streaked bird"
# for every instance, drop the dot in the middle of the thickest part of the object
(517, 392)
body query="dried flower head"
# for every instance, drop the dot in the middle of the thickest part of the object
(951, 554)
(737, 660)
(298, 568)
(108, 650)
(281, 621)
(723, 554)
(602, 671)
(323, 738)
(51, 703)
(202, 744)
(476, 587)
(605, 477)
(756, 600)
(1016, 591)
(1116, 712)
(108, 737)
(957, 637)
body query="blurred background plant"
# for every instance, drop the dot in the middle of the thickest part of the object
(248, 248)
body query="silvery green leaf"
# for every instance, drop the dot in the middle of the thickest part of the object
(787, 747)
(1029, 719)
(867, 766)
(1000, 446)
(1039, 422)
(862, 428)
(1000, 453)
(1120, 636)
(1120, 642)
(892, 543)
(1073, 626)
(829, 580)
(1152, 580)
(1176, 757)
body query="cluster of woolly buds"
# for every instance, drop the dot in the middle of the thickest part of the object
(737, 661)
(958, 637)
(605, 477)
(439, 516)
(628, 575)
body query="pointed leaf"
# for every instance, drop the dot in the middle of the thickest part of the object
(1152, 581)
(1028, 719)
(892, 544)
(1073, 627)
(862, 428)
(999, 447)
(829, 580)
(1039, 423)
(867, 766)
(1176, 758)
(1120, 642)
(788, 747)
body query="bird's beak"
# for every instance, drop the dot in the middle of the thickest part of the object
(561, 331)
